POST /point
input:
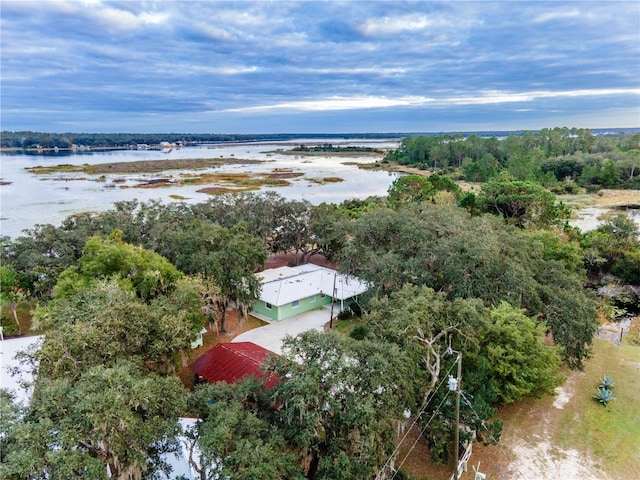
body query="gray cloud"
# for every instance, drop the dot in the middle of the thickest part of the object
(318, 66)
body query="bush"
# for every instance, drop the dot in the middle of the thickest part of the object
(606, 382)
(563, 188)
(604, 394)
(9, 327)
(359, 332)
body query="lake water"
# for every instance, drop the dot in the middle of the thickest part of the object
(29, 199)
(589, 218)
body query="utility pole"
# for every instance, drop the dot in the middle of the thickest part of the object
(333, 299)
(455, 385)
(457, 432)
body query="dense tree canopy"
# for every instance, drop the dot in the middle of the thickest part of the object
(478, 257)
(124, 293)
(109, 417)
(547, 157)
(104, 397)
(340, 402)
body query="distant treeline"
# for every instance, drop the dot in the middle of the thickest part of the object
(28, 139)
(328, 147)
(574, 157)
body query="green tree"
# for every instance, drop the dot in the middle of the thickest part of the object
(614, 248)
(515, 360)
(609, 175)
(410, 188)
(103, 398)
(232, 438)
(482, 169)
(425, 325)
(105, 321)
(227, 256)
(149, 273)
(10, 292)
(11, 415)
(523, 203)
(471, 257)
(422, 321)
(294, 232)
(340, 401)
(111, 417)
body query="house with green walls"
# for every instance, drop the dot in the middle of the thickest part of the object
(290, 291)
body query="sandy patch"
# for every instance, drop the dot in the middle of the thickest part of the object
(545, 462)
(564, 393)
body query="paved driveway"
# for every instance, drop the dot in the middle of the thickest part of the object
(270, 336)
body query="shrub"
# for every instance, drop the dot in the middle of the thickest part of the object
(603, 396)
(9, 327)
(359, 332)
(606, 383)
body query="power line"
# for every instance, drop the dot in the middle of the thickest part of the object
(492, 436)
(426, 403)
(420, 436)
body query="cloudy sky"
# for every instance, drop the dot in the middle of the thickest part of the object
(318, 67)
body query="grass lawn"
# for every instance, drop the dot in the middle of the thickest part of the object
(559, 433)
(346, 326)
(611, 437)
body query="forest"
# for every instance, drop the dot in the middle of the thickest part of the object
(561, 159)
(30, 140)
(496, 276)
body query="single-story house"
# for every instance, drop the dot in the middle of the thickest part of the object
(290, 291)
(230, 362)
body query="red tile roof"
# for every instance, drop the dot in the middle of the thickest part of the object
(229, 362)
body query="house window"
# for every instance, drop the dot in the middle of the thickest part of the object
(295, 303)
(313, 299)
(268, 306)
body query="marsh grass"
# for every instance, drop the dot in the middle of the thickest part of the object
(223, 190)
(322, 181)
(142, 166)
(221, 177)
(603, 198)
(311, 153)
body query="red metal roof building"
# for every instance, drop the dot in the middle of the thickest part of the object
(229, 362)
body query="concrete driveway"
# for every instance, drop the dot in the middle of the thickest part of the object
(270, 336)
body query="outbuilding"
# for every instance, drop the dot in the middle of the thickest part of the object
(230, 362)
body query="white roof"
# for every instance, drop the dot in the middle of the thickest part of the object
(285, 284)
(9, 364)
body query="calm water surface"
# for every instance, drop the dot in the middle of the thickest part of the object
(31, 199)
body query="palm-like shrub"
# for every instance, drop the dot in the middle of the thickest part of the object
(606, 383)
(604, 396)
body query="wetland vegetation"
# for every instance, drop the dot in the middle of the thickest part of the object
(143, 166)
